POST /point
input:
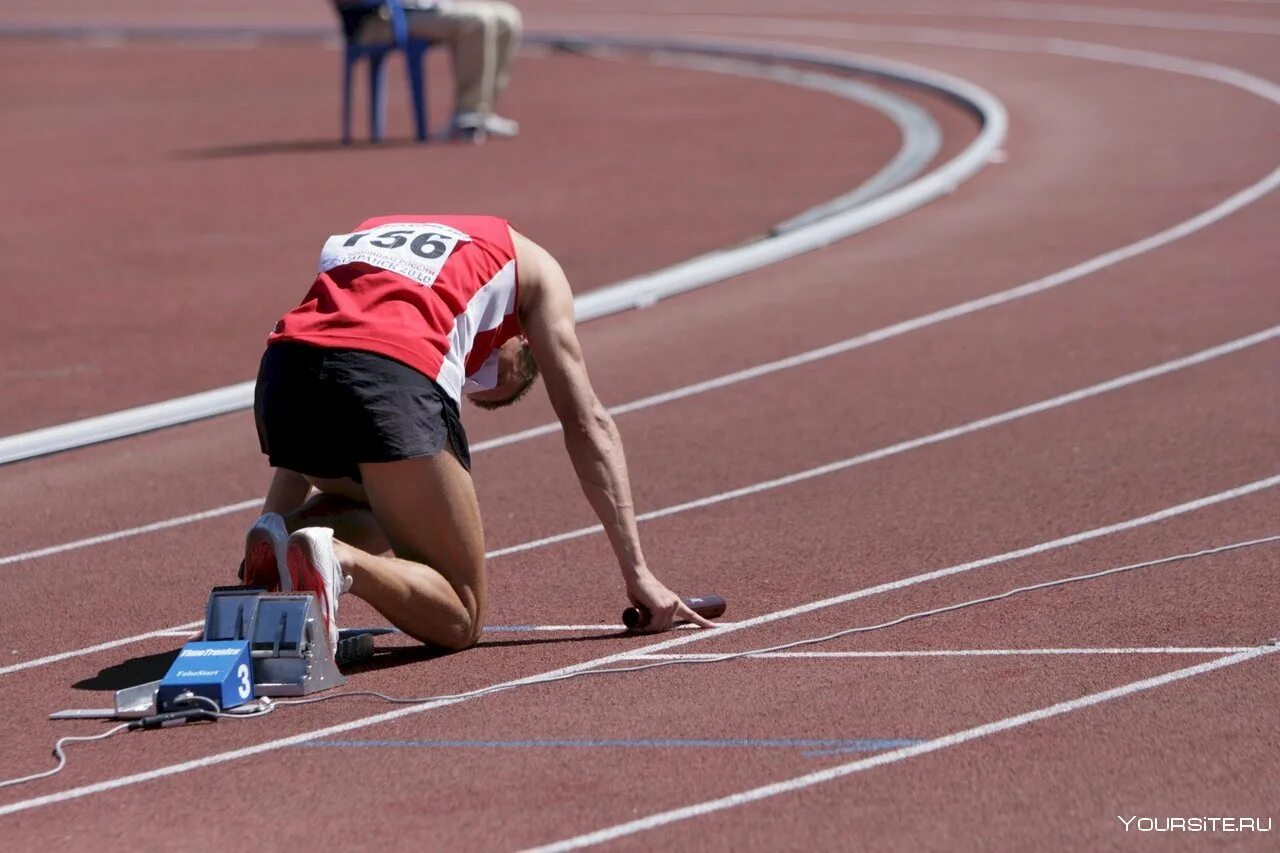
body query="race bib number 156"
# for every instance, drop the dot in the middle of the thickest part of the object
(416, 250)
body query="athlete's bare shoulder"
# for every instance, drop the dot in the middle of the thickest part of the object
(543, 285)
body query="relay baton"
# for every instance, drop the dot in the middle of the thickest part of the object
(708, 606)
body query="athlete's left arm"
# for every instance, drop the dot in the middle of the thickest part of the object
(590, 436)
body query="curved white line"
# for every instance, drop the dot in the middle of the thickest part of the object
(921, 136)
(636, 292)
(717, 266)
(1064, 13)
(773, 27)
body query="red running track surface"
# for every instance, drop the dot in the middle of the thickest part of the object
(1099, 155)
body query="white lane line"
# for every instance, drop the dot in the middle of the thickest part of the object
(1072, 48)
(132, 531)
(921, 136)
(955, 739)
(861, 459)
(1115, 16)
(691, 390)
(718, 266)
(1079, 50)
(982, 41)
(622, 657)
(190, 628)
(643, 290)
(949, 653)
(521, 629)
(102, 647)
(916, 443)
(615, 628)
(1111, 16)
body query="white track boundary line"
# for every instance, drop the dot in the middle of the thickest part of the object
(694, 389)
(921, 136)
(101, 647)
(894, 756)
(522, 629)
(771, 27)
(951, 653)
(621, 657)
(861, 459)
(1226, 75)
(915, 443)
(154, 526)
(191, 627)
(640, 291)
(981, 41)
(1063, 13)
(613, 627)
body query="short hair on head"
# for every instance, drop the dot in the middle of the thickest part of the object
(528, 374)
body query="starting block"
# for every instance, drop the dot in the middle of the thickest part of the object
(286, 643)
(255, 644)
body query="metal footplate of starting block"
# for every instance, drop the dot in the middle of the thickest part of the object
(287, 644)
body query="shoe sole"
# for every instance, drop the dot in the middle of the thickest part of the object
(308, 578)
(260, 567)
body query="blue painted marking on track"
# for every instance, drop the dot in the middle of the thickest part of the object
(845, 750)
(812, 747)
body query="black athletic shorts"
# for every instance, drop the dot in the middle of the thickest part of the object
(322, 411)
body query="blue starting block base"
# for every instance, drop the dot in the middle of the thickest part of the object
(221, 672)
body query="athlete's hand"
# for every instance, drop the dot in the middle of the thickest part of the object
(664, 607)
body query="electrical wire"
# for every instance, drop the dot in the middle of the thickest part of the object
(265, 706)
(62, 756)
(499, 688)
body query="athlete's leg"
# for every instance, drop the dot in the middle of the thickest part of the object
(347, 514)
(433, 588)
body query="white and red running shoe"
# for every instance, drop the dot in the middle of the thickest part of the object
(264, 554)
(315, 568)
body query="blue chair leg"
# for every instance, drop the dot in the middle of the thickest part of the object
(417, 90)
(377, 96)
(347, 64)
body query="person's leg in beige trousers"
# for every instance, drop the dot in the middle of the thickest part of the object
(484, 36)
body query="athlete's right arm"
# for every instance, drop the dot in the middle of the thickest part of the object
(590, 436)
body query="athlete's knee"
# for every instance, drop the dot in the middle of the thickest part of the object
(467, 617)
(463, 631)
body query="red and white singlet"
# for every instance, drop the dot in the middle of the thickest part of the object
(437, 293)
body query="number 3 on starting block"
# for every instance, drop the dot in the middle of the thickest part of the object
(244, 689)
(219, 670)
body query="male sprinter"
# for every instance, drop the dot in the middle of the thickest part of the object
(358, 395)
